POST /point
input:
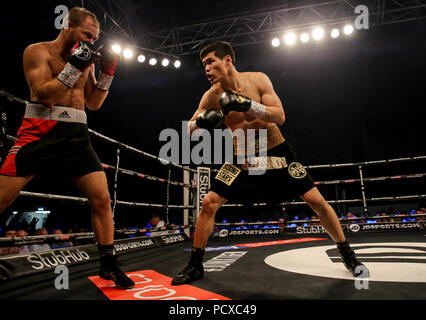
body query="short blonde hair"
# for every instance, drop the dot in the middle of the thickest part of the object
(77, 15)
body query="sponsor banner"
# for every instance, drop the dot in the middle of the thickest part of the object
(272, 243)
(126, 245)
(203, 185)
(253, 232)
(151, 285)
(170, 239)
(162, 233)
(388, 226)
(310, 229)
(20, 265)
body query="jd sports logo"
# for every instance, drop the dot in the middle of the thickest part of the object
(393, 262)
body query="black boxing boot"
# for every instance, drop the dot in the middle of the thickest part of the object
(349, 259)
(193, 271)
(110, 269)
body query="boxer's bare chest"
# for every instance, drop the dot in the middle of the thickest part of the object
(237, 120)
(57, 64)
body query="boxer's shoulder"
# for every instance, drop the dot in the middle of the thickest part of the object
(37, 50)
(254, 76)
(214, 93)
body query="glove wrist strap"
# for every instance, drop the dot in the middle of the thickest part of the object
(257, 109)
(104, 81)
(69, 75)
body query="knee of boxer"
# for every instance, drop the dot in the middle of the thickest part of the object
(101, 201)
(209, 205)
(318, 204)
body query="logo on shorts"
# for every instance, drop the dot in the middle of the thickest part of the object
(64, 114)
(296, 170)
(228, 173)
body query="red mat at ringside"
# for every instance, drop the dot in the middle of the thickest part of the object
(272, 243)
(151, 285)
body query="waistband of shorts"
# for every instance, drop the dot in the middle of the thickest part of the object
(273, 139)
(56, 113)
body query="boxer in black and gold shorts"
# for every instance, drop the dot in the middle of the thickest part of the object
(284, 176)
(243, 101)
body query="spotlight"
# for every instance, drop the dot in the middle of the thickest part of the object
(335, 33)
(290, 38)
(128, 53)
(304, 37)
(348, 29)
(141, 58)
(116, 48)
(275, 42)
(318, 33)
(177, 64)
(152, 61)
(165, 62)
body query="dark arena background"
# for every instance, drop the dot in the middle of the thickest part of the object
(355, 115)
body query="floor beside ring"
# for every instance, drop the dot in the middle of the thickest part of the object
(248, 278)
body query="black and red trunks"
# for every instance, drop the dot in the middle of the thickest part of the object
(52, 139)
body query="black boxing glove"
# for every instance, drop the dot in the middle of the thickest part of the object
(81, 57)
(211, 119)
(231, 101)
(108, 63)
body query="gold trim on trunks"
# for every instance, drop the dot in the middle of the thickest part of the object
(258, 163)
(273, 136)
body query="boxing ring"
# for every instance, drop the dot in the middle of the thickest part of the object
(255, 260)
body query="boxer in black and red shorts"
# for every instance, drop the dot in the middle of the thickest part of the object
(243, 101)
(54, 137)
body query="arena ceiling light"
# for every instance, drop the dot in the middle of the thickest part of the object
(335, 33)
(304, 37)
(141, 58)
(116, 48)
(177, 64)
(152, 61)
(128, 53)
(290, 38)
(318, 33)
(165, 62)
(275, 42)
(348, 29)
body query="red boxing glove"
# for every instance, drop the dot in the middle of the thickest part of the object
(108, 63)
(109, 60)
